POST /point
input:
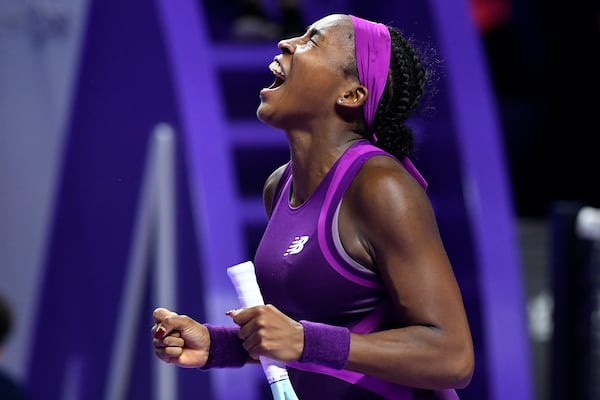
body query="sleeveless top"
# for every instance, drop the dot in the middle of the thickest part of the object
(303, 269)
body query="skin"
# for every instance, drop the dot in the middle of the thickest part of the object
(393, 233)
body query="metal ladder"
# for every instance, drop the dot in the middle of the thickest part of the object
(222, 147)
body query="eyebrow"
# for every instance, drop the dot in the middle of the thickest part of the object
(314, 31)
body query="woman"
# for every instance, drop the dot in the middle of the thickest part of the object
(362, 302)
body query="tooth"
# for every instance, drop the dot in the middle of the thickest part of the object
(275, 67)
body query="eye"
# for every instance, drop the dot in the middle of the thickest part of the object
(311, 37)
(309, 42)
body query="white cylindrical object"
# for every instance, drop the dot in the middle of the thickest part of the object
(245, 284)
(243, 278)
(588, 223)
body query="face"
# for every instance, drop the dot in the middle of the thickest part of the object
(309, 75)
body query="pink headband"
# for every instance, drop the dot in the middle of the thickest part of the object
(373, 46)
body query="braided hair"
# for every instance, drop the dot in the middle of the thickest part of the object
(407, 81)
(403, 90)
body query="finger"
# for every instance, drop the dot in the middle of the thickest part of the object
(161, 313)
(232, 313)
(243, 315)
(235, 315)
(169, 354)
(158, 333)
(247, 330)
(254, 343)
(253, 347)
(251, 326)
(174, 352)
(173, 341)
(170, 321)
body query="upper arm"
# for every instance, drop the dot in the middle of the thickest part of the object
(270, 187)
(397, 222)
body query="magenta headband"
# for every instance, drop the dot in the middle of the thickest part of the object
(373, 46)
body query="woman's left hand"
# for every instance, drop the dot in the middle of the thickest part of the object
(268, 332)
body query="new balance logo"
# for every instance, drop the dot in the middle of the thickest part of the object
(297, 245)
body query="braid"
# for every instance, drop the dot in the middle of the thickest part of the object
(404, 87)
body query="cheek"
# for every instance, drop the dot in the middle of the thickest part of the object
(313, 79)
(320, 90)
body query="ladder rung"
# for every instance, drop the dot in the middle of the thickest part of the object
(245, 55)
(255, 134)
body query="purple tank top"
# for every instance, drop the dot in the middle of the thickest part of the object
(304, 271)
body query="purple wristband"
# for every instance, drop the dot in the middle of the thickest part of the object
(326, 345)
(226, 348)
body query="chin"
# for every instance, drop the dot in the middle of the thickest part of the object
(263, 115)
(260, 114)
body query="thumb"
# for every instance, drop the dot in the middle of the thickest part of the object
(161, 313)
(242, 315)
(166, 322)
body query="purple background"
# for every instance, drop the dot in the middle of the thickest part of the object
(143, 63)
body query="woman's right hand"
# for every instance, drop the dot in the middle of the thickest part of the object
(179, 340)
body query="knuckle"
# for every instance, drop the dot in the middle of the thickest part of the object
(262, 333)
(246, 346)
(185, 317)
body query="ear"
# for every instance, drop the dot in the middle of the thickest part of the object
(353, 98)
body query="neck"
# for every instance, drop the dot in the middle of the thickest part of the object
(312, 157)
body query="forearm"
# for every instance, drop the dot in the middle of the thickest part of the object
(415, 356)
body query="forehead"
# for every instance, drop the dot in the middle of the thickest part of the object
(336, 25)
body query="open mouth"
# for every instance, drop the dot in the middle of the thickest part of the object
(277, 70)
(278, 82)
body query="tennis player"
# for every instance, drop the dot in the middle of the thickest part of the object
(361, 299)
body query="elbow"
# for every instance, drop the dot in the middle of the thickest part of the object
(463, 374)
(462, 369)
(453, 370)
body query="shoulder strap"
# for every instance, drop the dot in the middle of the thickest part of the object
(345, 171)
(364, 147)
(409, 166)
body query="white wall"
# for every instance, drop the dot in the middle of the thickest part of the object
(39, 53)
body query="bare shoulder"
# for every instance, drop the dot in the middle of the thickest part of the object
(392, 215)
(384, 185)
(270, 187)
(390, 208)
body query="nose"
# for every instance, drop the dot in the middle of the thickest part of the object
(287, 45)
